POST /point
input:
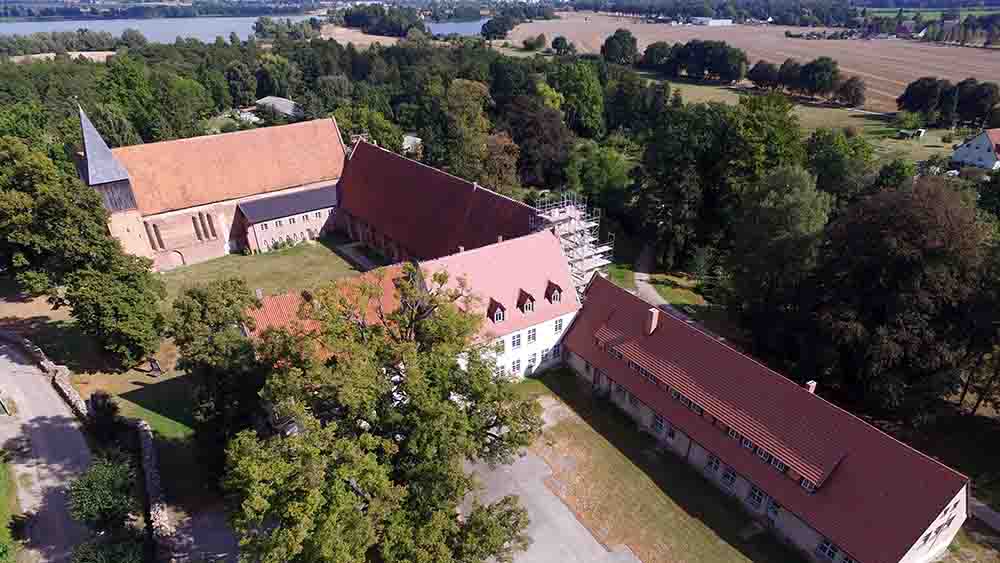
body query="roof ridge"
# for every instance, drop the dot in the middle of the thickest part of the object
(230, 134)
(491, 246)
(785, 380)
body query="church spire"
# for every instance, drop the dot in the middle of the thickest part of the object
(102, 166)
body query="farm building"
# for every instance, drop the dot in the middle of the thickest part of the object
(824, 481)
(981, 151)
(175, 201)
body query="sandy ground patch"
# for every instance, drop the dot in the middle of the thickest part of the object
(95, 56)
(350, 35)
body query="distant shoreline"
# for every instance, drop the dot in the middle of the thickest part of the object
(43, 19)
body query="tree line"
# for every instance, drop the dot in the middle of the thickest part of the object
(394, 21)
(939, 102)
(143, 11)
(63, 41)
(836, 13)
(506, 17)
(819, 77)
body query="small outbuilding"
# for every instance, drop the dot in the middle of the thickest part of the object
(288, 218)
(981, 151)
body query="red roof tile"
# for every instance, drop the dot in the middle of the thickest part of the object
(877, 495)
(430, 212)
(501, 272)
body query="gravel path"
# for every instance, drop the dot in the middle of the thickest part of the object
(48, 452)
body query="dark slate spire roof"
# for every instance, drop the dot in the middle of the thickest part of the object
(102, 166)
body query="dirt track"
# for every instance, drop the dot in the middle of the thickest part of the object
(887, 66)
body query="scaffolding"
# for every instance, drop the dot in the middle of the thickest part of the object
(579, 230)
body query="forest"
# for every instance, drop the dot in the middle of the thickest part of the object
(868, 273)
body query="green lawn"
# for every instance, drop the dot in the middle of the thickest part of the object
(625, 493)
(623, 275)
(8, 508)
(299, 267)
(677, 290)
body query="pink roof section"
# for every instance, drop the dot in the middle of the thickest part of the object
(501, 271)
(994, 137)
(877, 495)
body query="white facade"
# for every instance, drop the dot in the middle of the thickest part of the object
(980, 151)
(710, 21)
(522, 352)
(785, 525)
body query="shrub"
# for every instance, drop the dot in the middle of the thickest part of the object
(908, 120)
(128, 550)
(104, 419)
(102, 497)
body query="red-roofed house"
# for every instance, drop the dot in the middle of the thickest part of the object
(525, 292)
(824, 480)
(982, 151)
(410, 211)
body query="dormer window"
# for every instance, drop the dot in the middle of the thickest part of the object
(525, 302)
(808, 485)
(496, 311)
(553, 293)
(498, 316)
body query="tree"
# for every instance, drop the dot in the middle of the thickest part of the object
(126, 83)
(777, 234)
(184, 103)
(371, 474)
(104, 417)
(896, 273)
(133, 38)
(562, 46)
(851, 92)
(896, 173)
(790, 75)
(500, 167)
(102, 496)
(356, 119)
(206, 323)
(584, 107)
(535, 43)
(113, 123)
(217, 88)
(544, 140)
(600, 173)
(242, 84)
(764, 75)
(277, 76)
(458, 141)
(820, 76)
(620, 48)
(656, 56)
(839, 162)
(921, 96)
(128, 550)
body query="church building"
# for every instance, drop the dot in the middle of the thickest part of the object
(176, 201)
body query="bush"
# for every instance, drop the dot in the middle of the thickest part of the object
(948, 138)
(102, 497)
(535, 43)
(908, 120)
(128, 550)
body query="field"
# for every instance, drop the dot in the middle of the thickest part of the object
(930, 13)
(360, 39)
(887, 66)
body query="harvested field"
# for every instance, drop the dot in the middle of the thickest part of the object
(360, 39)
(887, 66)
(95, 56)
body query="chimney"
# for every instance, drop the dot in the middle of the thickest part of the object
(259, 292)
(652, 319)
(811, 385)
(499, 238)
(461, 249)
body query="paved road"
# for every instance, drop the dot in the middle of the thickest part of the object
(644, 265)
(49, 452)
(555, 532)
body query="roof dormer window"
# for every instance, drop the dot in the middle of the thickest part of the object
(808, 485)
(525, 302)
(529, 306)
(498, 315)
(496, 311)
(556, 296)
(553, 293)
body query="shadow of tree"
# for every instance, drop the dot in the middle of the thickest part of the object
(171, 398)
(678, 480)
(64, 343)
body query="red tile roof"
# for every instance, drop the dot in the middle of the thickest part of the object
(877, 495)
(187, 172)
(428, 211)
(994, 137)
(282, 310)
(501, 272)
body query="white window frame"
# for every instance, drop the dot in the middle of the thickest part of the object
(558, 326)
(532, 333)
(515, 341)
(755, 497)
(746, 443)
(764, 456)
(529, 306)
(545, 354)
(808, 485)
(729, 478)
(498, 315)
(712, 464)
(734, 434)
(778, 464)
(556, 296)
(827, 550)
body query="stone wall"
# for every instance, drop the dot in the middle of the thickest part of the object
(159, 518)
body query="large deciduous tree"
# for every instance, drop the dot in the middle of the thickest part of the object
(620, 48)
(543, 138)
(896, 274)
(207, 323)
(356, 119)
(376, 470)
(242, 83)
(578, 82)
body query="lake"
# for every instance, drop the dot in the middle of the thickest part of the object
(166, 30)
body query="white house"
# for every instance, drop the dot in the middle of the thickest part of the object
(711, 22)
(524, 290)
(982, 151)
